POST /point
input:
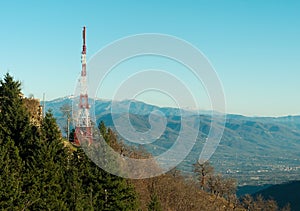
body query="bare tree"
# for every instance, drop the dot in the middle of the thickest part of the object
(247, 202)
(203, 171)
(230, 186)
(66, 112)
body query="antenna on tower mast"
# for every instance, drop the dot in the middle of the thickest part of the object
(83, 37)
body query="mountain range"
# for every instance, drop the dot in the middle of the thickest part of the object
(254, 150)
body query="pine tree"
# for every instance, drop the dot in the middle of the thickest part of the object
(154, 204)
(14, 117)
(17, 143)
(71, 135)
(120, 195)
(98, 189)
(10, 175)
(103, 130)
(39, 173)
(46, 167)
(50, 129)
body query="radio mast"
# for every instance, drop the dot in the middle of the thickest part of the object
(83, 129)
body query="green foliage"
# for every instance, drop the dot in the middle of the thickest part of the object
(39, 173)
(154, 204)
(47, 167)
(72, 135)
(50, 130)
(11, 168)
(14, 118)
(103, 131)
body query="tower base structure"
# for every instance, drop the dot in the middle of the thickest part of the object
(83, 135)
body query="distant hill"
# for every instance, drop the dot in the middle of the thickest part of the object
(255, 150)
(283, 194)
(250, 189)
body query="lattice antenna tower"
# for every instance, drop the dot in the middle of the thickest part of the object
(83, 129)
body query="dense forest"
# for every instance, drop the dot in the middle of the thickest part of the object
(39, 171)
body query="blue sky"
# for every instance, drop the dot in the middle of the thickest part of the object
(254, 45)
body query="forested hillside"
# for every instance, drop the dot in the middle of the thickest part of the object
(38, 171)
(279, 193)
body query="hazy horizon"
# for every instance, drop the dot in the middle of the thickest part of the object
(165, 106)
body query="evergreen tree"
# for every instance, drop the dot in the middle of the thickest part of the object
(14, 117)
(17, 143)
(120, 195)
(50, 129)
(10, 175)
(39, 173)
(103, 130)
(46, 167)
(154, 204)
(71, 135)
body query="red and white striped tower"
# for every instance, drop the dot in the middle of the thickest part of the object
(83, 129)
